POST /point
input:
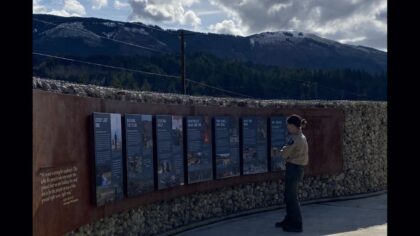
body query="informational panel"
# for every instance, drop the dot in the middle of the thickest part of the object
(226, 132)
(139, 154)
(108, 158)
(199, 149)
(170, 151)
(278, 131)
(254, 149)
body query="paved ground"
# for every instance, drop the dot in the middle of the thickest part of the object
(367, 216)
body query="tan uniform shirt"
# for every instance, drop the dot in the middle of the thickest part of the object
(296, 151)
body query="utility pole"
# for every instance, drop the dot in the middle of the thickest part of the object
(182, 60)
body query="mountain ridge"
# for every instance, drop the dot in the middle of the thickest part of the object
(285, 49)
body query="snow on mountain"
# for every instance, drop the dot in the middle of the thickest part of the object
(109, 24)
(269, 38)
(68, 30)
(136, 30)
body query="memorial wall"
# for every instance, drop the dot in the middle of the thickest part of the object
(104, 156)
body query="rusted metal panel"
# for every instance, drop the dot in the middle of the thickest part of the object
(62, 144)
(324, 136)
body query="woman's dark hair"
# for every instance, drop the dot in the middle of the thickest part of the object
(297, 121)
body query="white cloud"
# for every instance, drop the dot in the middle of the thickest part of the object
(338, 20)
(59, 13)
(70, 8)
(120, 5)
(98, 4)
(190, 18)
(278, 7)
(164, 11)
(226, 27)
(74, 7)
(189, 3)
(37, 7)
(206, 13)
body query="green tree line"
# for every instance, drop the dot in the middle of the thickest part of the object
(258, 81)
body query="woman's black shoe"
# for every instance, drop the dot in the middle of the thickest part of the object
(280, 224)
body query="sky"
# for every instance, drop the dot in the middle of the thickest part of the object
(357, 22)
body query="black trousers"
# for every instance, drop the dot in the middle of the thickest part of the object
(294, 174)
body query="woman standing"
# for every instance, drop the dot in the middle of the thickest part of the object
(295, 154)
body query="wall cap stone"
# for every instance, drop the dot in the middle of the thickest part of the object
(90, 90)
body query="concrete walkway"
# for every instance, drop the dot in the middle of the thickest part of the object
(366, 216)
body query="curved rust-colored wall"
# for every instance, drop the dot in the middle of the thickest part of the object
(62, 141)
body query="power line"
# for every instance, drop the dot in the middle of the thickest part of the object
(138, 71)
(155, 74)
(90, 32)
(223, 90)
(107, 66)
